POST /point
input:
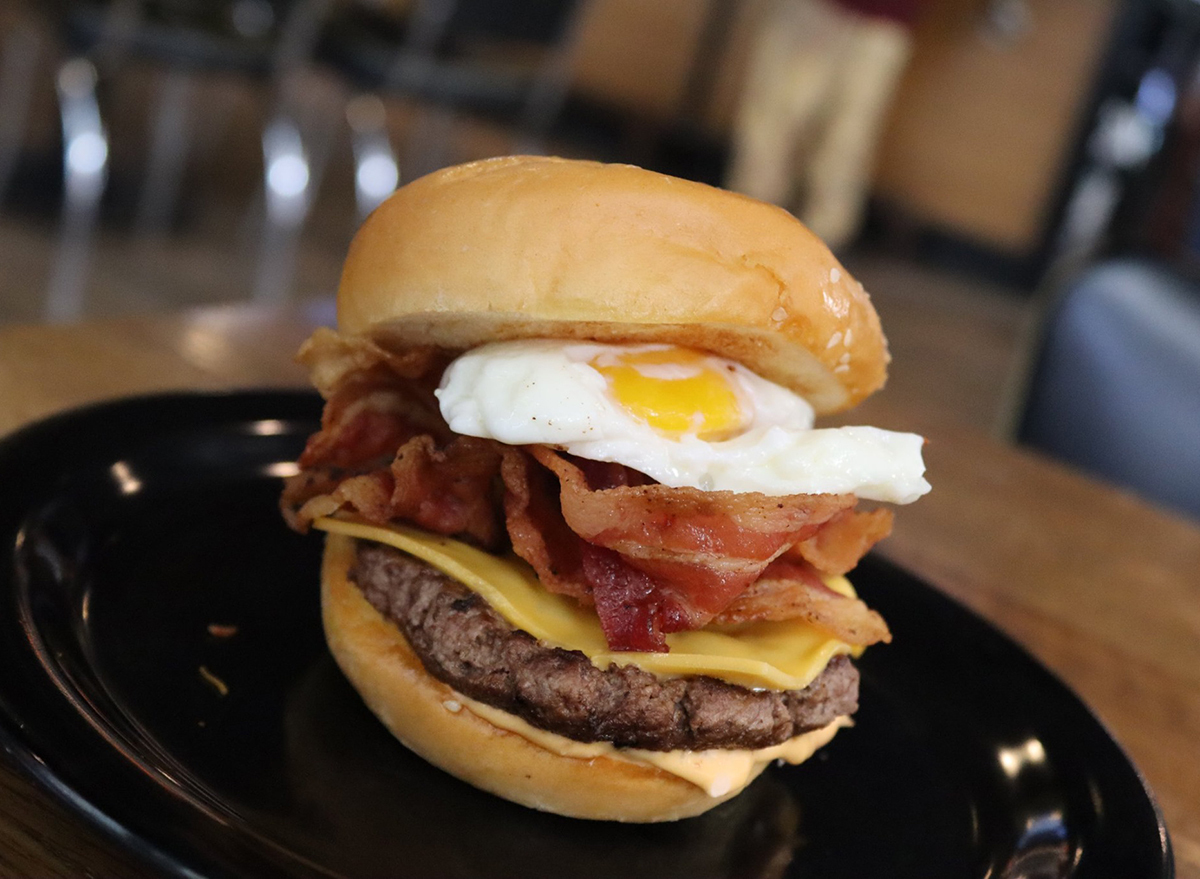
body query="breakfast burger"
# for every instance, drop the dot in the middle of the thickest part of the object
(584, 547)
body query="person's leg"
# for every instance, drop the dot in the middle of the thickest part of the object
(790, 71)
(838, 177)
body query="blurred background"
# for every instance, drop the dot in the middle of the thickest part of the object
(1024, 167)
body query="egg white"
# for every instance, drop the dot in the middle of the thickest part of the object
(546, 391)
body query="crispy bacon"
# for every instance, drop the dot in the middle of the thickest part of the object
(631, 606)
(384, 453)
(791, 590)
(367, 494)
(656, 521)
(450, 490)
(335, 362)
(841, 542)
(536, 527)
(607, 474)
(358, 427)
(650, 558)
(699, 549)
(447, 491)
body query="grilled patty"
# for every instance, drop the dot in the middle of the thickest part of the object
(462, 641)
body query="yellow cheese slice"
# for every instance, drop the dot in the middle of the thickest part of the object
(776, 655)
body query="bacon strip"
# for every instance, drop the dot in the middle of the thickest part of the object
(447, 491)
(335, 361)
(537, 529)
(450, 490)
(789, 590)
(384, 453)
(839, 545)
(650, 558)
(364, 425)
(699, 549)
(631, 606)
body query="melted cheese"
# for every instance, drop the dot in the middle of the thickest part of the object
(716, 772)
(777, 655)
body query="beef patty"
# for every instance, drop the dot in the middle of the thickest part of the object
(462, 641)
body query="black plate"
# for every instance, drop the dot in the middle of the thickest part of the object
(128, 529)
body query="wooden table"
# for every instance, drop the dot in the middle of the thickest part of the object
(1103, 588)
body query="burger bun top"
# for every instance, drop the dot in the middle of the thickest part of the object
(537, 247)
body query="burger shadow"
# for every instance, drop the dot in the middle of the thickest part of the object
(372, 808)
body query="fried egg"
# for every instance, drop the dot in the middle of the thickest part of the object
(683, 417)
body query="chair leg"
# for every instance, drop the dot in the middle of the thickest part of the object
(376, 171)
(297, 143)
(287, 186)
(169, 140)
(551, 86)
(85, 172)
(291, 171)
(18, 66)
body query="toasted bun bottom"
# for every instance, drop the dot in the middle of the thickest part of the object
(379, 663)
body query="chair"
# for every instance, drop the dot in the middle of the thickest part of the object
(263, 39)
(510, 61)
(1115, 383)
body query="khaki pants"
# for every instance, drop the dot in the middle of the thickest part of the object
(819, 83)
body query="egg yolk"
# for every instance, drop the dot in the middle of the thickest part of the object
(675, 391)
